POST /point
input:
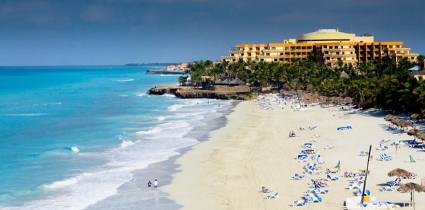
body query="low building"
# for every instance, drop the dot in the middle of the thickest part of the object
(327, 45)
(419, 75)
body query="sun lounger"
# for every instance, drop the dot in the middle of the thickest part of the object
(396, 182)
(384, 157)
(331, 177)
(345, 127)
(412, 160)
(382, 147)
(358, 192)
(265, 189)
(312, 127)
(329, 147)
(364, 153)
(313, 198)
(307, 146)
(302, 157)
(320, 190)
(300, 202)
(386, 189)
(297, 177)
(274, 196)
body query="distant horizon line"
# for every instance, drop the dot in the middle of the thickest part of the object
(76, 65)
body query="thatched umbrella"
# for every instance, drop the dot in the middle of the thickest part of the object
(420, 135)
(401, 173)
(411, 187)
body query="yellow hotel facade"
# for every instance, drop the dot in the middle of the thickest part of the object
(328, 45)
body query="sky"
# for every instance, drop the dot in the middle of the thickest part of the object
(102, 32)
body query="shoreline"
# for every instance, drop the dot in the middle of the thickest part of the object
(183, 123)
(163, 171)
(253, 149)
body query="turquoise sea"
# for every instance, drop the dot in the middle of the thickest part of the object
(78, 133)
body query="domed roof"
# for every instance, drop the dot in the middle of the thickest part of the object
(326, 35)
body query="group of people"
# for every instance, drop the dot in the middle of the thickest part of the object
(155, 183)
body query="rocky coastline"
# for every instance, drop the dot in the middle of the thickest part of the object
(240, 92)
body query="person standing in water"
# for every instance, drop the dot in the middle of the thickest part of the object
(155, 183)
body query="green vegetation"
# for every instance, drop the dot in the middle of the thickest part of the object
(380, 84)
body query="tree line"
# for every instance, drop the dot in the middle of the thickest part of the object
(382, 83)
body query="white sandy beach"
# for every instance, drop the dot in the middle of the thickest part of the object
(253, 149)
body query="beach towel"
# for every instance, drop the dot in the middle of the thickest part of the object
(412, 160)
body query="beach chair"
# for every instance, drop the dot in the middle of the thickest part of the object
(364, 153)
(330, 177)
(312, 198)
(338, 165)
(412, 160)
(265, 190)
(320, 190)
(274, 196)
(384, 157)
(386, 189)
(308, 146)
(297, 177)
(300, 202)
(396, 182)
(302, 157)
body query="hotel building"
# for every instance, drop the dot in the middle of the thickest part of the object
(327, 45)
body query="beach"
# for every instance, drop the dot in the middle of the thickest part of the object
(253, 149)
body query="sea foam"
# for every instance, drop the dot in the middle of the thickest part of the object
(125, 80)
(156, 144)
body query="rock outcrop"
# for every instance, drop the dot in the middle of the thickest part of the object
(240, 92)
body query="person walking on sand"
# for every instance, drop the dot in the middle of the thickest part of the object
(149, 184)
(155, 183)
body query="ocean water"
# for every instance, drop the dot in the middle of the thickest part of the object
(70, 137)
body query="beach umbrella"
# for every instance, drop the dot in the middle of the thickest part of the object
(411, 187)
(400, 173)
